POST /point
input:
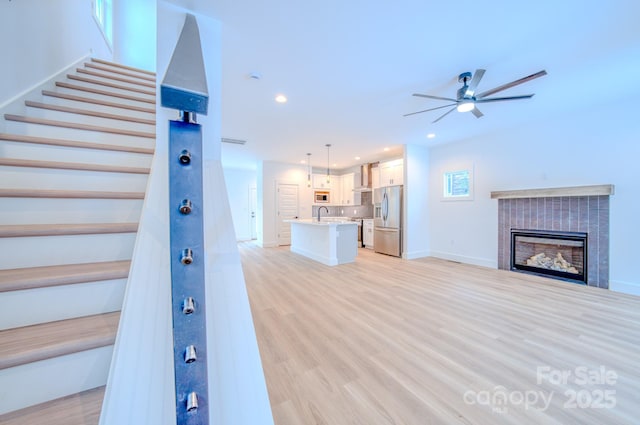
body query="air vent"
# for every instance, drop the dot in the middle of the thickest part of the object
(233, 141)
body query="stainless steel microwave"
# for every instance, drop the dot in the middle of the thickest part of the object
(321, 197)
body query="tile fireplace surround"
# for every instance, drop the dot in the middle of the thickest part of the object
(568, 209)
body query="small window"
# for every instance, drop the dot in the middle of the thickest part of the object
(458, 184)
(102, 12)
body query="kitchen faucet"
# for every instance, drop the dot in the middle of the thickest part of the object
(326, 209)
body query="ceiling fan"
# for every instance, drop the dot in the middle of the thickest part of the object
(467, 98)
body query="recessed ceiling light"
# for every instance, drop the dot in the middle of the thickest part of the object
(431, 135)
(357, 158)
(281, 98)
(386, 149)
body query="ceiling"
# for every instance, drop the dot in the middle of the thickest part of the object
(348, 69)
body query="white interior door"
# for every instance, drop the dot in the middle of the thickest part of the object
(253, 206)
(287, 205)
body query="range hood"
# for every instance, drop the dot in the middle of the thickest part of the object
(365, 179)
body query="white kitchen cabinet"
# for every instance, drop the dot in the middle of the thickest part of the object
(349, 197)
(367, 233)
(336, 190)
(320, 181)
(391, 173)
(375, 178)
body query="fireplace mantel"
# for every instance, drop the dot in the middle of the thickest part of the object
(595, 190)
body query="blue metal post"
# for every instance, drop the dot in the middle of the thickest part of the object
(187, 272)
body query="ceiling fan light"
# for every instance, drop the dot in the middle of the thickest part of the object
(465, 106)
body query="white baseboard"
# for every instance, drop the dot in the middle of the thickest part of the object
(492, 264)
(625, 287)
(415, 254)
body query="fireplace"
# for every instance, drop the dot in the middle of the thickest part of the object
(556, 254)
(566, 211)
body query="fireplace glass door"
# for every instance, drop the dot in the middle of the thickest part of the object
(555, 254)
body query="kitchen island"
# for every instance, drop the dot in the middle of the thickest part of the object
(330, 241)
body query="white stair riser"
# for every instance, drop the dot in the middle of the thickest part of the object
(117, 68)
(89, 120)
(104, 97)
(111, 89)
(68, 211)
(34, 151)
(54, 250)
(97, 108)
(38, 382)
(112, 81)
(56, 179)
(54, 132)
(41, 305)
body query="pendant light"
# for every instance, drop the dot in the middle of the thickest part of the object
(308, 170)
(328, 145)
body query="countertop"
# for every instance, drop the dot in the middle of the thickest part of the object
(324, 221)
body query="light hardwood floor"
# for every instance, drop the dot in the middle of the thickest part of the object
(391, 341)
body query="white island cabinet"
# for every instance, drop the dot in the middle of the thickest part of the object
(328, 241)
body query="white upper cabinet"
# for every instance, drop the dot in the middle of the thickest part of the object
(320, 181)
(391, 173)
(349, 197)
(336, 190)
(340, 188)
(375, 178)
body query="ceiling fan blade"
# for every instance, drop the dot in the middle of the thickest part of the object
(511, 84)
(435, 97)
(471, 88)
(427, 110)
(477, 112)
(444, 115)
(499, 99)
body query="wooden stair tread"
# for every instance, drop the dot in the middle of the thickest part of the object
(29, 230)
(33, 343)
(97, 101)
(68, 274)
(73, 143)
(111, 85)
(118, 65)
(76, 409)
(69, 194)
(115, 78)
(15, 162)
(79, 111)
(104, 92)
(78, 126)
(119, 71)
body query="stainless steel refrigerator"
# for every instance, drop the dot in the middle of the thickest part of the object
(387, 233)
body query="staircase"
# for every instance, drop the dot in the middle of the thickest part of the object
(74, 163)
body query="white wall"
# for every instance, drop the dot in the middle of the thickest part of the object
(595, 146)
(42, 38)
(239, 182)
(273, 173)
(416, 211)
(134, 33)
